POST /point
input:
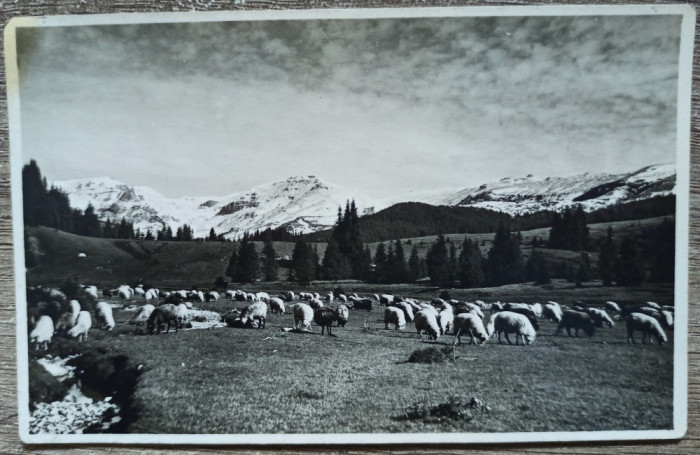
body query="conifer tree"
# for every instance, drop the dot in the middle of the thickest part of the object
(232, 264)
(303, 262)
(247, 266)
(380, 264)
(334, 265)
(212, 235)
(628, 268)
(270, 266)
(437, 261)
(606, 259)
(470, 265)
(504, 263)
(414, 265)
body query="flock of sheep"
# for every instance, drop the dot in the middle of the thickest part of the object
(50, 311)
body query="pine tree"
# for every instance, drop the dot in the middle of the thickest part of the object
(504, 264)
(606, 259)
(247, 266)
(380, 264)
(90, 224)
(537, 268)
(663, 252)
(334, 265)
(628, 268)
(232, 264)
(212, 235)
(303, 262)
(584, 269)
(401, 274)
(437, 261)
(270, 266)
(414, 265)
(452, 262)
(149, 235)
(470, 265)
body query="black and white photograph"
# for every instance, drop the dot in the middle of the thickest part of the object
(426, 225)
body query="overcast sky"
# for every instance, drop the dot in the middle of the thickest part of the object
(386, 106)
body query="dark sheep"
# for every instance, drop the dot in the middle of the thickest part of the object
(325, 317)
(164, 314)
(576, 320)
(174, 299)
(362, 304)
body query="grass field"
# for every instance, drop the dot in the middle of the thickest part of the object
(226, 380)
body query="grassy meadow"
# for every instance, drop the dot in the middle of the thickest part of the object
(228, 380)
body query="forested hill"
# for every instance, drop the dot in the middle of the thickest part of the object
(415, 219)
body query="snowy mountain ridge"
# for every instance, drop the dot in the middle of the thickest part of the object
(306, 204)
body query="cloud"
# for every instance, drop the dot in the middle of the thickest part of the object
(385, 105)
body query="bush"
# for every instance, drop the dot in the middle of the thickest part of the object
(427, 355)
(454, 408)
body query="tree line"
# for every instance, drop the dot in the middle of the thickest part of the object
(50, 207)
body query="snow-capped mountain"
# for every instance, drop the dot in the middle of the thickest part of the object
(302, 204)
(308, 204)
(524, 195)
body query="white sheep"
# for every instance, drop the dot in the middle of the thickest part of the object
(483, 305)
(125, 292)
(667, 320)
(329, 297)
(429, 307)
(343, 297)
(290, 296)
(82, 326)
(445, 320)
(612, 306)
(276, 305)
(212, 296)
(645, 324)
(230, 294)
(537, 309)
(139, 291)
(42, 333)
(152, 294)
(303, 315)
(343, 314)
(407, 309)
(104, 315)
(600, 316)
(256, 311)
(263, 297)
(182, 312)
(552, 312)
(653, 305)
(393, 315)
(510, 322)
(251, 297)
(91, 290)
(315, 303)
(143, 314)
(426, 320)
(74, 309)
(469, 323)
(475, 309)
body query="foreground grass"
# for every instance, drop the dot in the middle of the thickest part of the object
(229, 380)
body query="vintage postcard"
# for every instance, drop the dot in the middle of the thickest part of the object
(432, 225)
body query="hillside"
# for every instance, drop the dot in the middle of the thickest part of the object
(109, 262)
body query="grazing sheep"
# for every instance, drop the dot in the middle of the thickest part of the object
(143, 314)
(82, 326)
(65, 323)
(211, 296)
(414, 305)
(599, 317)
(525, 311)
(74, 309)
(276, 305)
(645, 324)
(305, 296)
(315, 303)
(576, 320)
(406, 308)
(42, 333)
(666, 319)
(445, 320)
(386, 299)
(343, 314)
(139, 291)
(103, 314)
(483, 305)
(303, 315)
(198, 295)
(91, 291)
(653, 305)
(469, 323)
(551, 312)
(263, 297)
(181, 314)
(152, 294)
(325, 317)
(511, 322)
(290, 296)
(343, 297)
(184, 295)
(362, 304)
(393, 315)
(426, 320)
(330, 297)
(428, 307)
(125, 292)
(496, 307)
(511, 306)
(175, 298)
(164, 314)
(230, 294)
(475, 309)
(537, 309)
(668, 308)
(255, 312)
(612, 306)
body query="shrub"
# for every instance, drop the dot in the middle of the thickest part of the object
(427, 355)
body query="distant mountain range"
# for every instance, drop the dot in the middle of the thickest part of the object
(306, 204)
